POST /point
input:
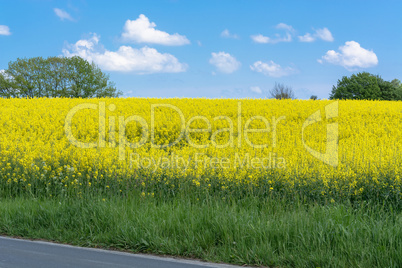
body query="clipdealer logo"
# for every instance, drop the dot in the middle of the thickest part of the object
(243, 130)
(330, 156)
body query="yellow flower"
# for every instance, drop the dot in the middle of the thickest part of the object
(368, 146)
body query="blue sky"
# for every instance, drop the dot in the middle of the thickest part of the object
(201, 48)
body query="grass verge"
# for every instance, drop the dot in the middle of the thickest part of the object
(271, 232)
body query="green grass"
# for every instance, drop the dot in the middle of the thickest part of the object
(271, 232)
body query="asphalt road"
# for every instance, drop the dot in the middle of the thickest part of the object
(32, 254)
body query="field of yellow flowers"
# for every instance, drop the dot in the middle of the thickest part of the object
(323, 150)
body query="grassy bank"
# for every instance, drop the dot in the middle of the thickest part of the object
(227, 194)
(272, 232)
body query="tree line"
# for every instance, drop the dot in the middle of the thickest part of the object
(360, 86)
(54, 77)
(75, 77)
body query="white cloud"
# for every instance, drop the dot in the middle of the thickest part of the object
(226, 34)
(142, 30)
(351, 56)
(256, 90)
(63, 15)
(126, 59)
(129, 93)
(271, 69)
(4, 30)
(224, 62)
(323, 34)
(259, 38)
(307, 38)
(286, 38)
(285, 27)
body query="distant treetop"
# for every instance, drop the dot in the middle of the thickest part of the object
(366, 86)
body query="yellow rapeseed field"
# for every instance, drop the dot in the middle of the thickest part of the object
(317, 149)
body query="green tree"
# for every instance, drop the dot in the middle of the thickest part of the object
(398, 88)
(396, 83)
(55, 77)
(388, 90)
(5, 86)
(364, 86)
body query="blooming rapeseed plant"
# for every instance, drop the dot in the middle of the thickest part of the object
(223, 153)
